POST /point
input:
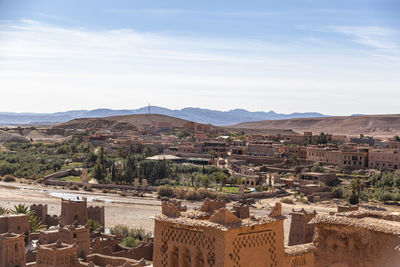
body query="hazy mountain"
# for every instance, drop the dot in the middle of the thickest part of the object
(214, 117)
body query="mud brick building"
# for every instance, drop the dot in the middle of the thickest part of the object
(219, 238)
(357, 238)
(12, 250)
(301, 232)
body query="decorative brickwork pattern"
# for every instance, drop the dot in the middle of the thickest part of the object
(265, 239)
(189, 239)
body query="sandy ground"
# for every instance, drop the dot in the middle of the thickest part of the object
(132, 211)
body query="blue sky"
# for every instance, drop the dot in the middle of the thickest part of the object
(334, 57)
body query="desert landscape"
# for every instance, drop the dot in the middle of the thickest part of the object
(169, 133)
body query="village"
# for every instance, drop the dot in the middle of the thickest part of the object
(280, 200)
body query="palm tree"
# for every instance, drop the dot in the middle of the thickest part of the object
(21, 208)
(355, 187)
(36, 223)
(3, 211)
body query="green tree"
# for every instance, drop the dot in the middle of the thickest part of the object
(94, 226)
(130, 168)
(99, 170)
(317, 167)
(204, 179)
(322, 139)
(355, 187)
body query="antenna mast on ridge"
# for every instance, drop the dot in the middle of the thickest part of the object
(148, 109)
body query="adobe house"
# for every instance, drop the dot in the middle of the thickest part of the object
(76, 234)
(17, 223)
(220, 238)
(301, 232)
(79, 211)
(56, 254)
(72, 211)
(12, 250)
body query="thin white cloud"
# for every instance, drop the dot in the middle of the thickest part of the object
(49, 68)
(177, 11)
(383, 39)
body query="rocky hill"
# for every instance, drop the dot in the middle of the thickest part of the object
(6, 137)
(375, 125)
(126, 122)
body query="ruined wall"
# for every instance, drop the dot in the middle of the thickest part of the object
(347, 246)
(143, 251)
(98, 245)
(300, 255)
(40, 211)
(103, 260)
(96, 213)
(212, 205)
(300, 231)
(52, 220)
(72, 211)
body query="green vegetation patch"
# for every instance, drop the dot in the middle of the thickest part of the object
(72, 179)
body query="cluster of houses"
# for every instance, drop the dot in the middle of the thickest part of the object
(213, 235)
(351, 153)
(67, 240)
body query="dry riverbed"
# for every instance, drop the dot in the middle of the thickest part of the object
(132, 211)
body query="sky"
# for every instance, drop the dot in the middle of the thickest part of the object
(337, 57)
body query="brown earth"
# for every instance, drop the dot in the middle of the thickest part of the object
(374, 125)
(126, 122)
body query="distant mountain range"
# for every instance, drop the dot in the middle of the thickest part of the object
(199, 115)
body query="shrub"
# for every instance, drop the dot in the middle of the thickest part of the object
(131, 237)
(287, 200)
(131, 242)
(262, 188)
(88, 188)
(8, 178)
(120, 230)
(105, 190)
(317, 167)
(192, 195)
(337, 192)
(304, 201)
(165, 191)
(94, 226)
(204, 193)
(73, 187)
(353, 199)
(180, 193)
